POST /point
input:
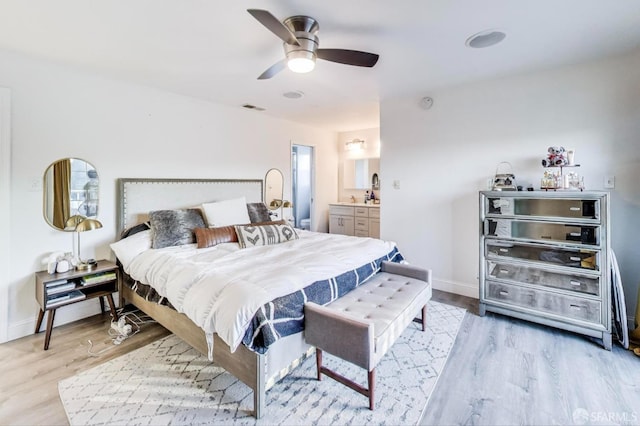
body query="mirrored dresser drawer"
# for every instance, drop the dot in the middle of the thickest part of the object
(553, 255)
(576, 308)
(519, 273)
(543, 231)
(559, 208)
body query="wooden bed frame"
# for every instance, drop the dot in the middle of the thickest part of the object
(249, 367)
(139, 196)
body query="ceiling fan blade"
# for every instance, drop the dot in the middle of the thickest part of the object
(274, 25)
(273, 70)
(348, 57)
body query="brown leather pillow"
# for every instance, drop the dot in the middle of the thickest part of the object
(209, 237)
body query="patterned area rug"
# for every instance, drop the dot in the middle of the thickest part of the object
(168, 382)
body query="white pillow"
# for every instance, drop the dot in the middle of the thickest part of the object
(129, 248)
(225, 213)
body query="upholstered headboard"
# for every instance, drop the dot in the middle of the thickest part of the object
(137, 197)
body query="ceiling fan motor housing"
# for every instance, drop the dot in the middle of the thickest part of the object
(305, 29)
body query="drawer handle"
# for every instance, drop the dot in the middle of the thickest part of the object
(575, 307)
(504, 271)
(504, 250)
(504, 293)
(575, 234)
(576, 283)
(575, 209)
(575, 258)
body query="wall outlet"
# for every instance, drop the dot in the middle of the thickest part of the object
(609, 182)
(396, 184)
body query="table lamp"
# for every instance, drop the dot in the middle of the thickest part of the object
(83, 226)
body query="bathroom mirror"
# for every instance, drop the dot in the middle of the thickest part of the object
(71, 187)
(273, 189)
(358, 173)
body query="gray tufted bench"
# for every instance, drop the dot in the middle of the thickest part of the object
(362, 325)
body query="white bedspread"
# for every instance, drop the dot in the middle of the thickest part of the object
(221, 288)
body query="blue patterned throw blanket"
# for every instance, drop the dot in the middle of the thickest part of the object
(285, 315)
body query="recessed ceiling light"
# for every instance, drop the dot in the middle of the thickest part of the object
(294, 94)
(485, 39)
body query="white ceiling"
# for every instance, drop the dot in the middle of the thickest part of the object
(215, 50)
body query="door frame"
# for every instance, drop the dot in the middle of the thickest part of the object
(5, 213)
(312, 177)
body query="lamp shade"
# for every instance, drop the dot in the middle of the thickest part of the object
(88, 225)
(287, 204)
(73, 221)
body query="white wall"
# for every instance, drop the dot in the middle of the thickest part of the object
(127, 131)
(371, 150)
(443, 156)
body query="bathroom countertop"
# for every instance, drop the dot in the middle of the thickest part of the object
(349, 203)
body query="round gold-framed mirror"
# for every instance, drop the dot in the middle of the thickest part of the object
(273, 189)
(70, 189)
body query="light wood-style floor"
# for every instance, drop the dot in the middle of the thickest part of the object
(29, 375)
(501, 371)
(505, 371)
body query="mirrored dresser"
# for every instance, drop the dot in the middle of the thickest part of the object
(544, 257)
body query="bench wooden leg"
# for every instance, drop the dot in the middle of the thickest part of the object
(347, 382)
(424, 318)
(319, 362)
(372, 384)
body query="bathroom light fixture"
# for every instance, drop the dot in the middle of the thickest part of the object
(485, 38)
(354, 145)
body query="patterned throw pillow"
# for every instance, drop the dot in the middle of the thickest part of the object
(174, 227)
(261, 235)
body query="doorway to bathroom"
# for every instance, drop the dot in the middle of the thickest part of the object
(302, 190)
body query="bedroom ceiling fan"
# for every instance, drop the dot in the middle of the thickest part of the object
(301, 45)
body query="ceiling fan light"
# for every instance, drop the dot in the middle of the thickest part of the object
(301, 65)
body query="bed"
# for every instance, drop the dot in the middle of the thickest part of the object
(260, 340)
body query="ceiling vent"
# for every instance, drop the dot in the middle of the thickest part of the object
(249, 106)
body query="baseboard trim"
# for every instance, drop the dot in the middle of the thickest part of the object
(64, 315)
(462, 289)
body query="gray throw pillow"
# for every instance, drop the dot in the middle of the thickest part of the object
(174, 227)
(258, 212)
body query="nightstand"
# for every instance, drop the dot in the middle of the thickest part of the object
(56, 290)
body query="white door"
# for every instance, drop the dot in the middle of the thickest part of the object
(5, 211)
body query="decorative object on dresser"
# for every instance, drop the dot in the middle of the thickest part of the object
(134, 388)
(544, 257)
(61, 289)
(355, 219)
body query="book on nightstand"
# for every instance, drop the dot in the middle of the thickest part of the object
(65, 297)
(60, 288)
(98, 278)
(56, 283)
